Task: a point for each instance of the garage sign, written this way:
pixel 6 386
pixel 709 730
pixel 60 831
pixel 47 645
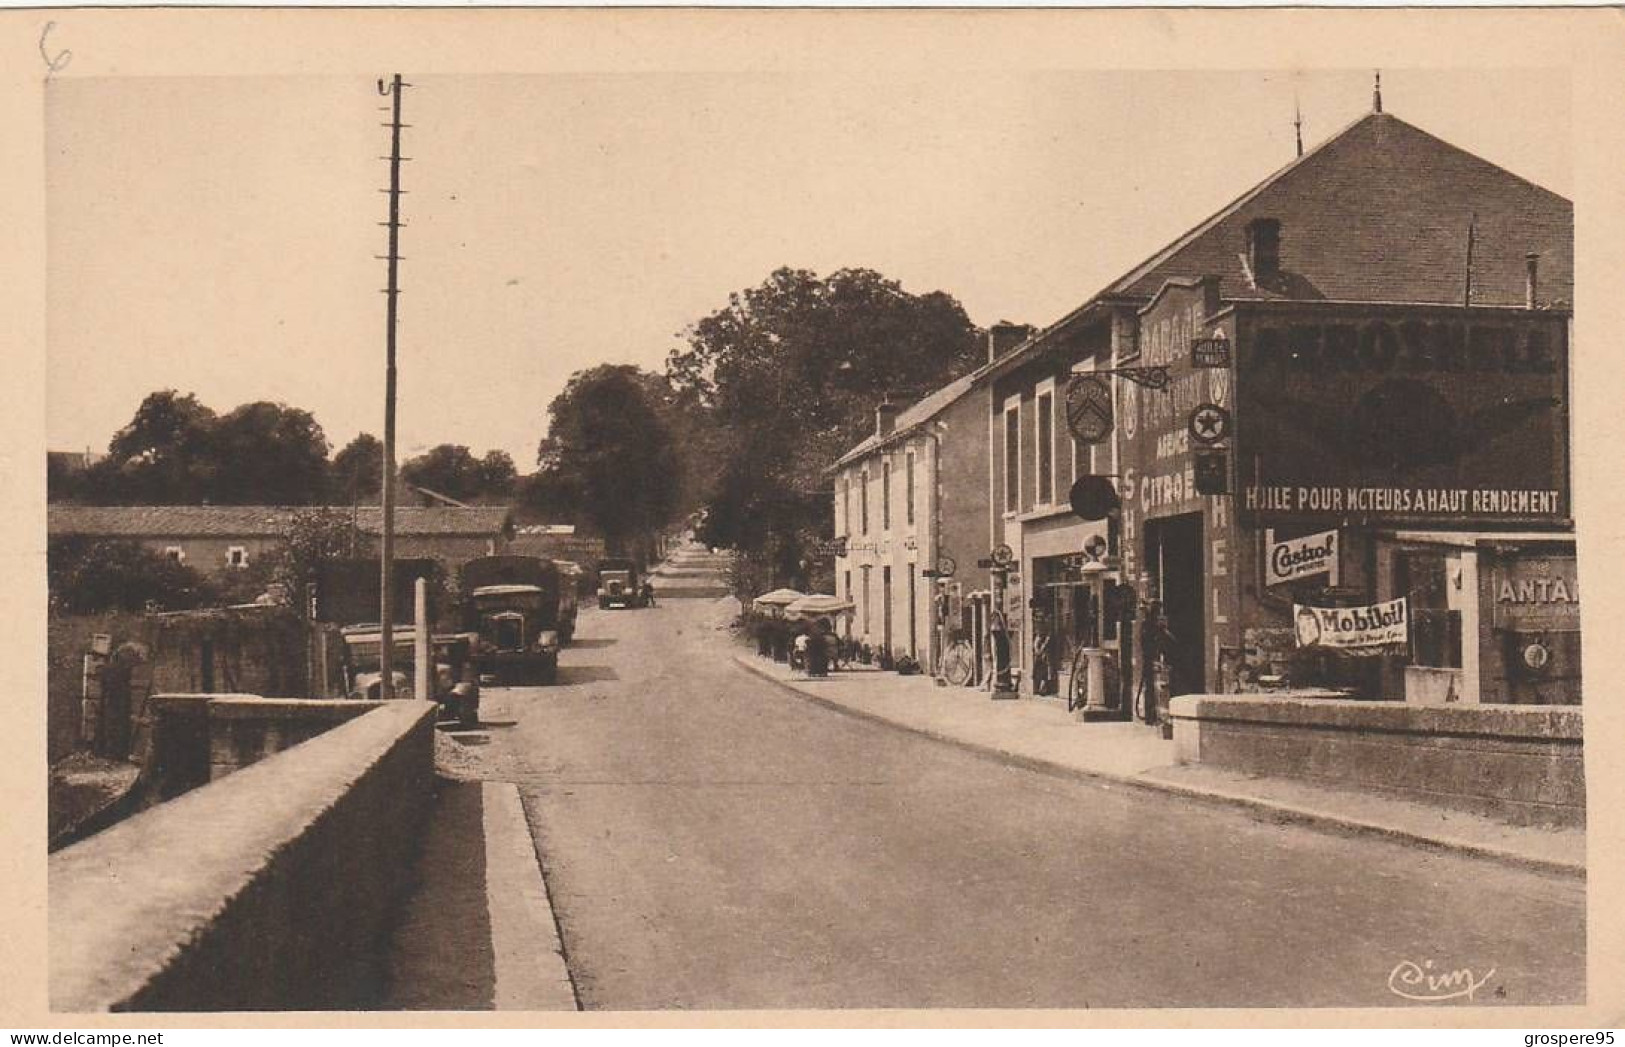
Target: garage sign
pixel 1353 630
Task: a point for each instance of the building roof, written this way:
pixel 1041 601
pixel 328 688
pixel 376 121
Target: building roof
pixel 259 521
pixel 910 418
pixel 1379 212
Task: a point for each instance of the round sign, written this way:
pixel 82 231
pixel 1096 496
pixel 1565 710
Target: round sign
pixel 1209 424
pixel 1095 547
pixel 946 567
pixel 1094 497
pixel 1089 407
pixel 1536 655
pixel 1002 555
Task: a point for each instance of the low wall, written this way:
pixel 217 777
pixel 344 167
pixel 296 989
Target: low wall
pixel 1518 763
pixel 245 729
pixel 273 888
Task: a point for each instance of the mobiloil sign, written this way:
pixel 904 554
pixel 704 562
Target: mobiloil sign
pixel 1353 630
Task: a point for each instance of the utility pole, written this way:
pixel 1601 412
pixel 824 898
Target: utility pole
pixel 386 646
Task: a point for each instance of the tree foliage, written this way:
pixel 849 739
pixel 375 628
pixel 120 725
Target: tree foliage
pixel 89 576
pixel 790 372
pixel 454 471
pixel 358 470
pixel 269 454
pixel 611 453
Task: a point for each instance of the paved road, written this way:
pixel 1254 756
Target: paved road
pixel 712 841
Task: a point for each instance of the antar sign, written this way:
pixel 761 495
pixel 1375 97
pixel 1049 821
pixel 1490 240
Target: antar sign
pixel 1300 557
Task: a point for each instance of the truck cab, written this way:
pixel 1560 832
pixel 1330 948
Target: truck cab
pixel 619 584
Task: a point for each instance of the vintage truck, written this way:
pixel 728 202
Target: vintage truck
pixel 517 608
pixel 455 686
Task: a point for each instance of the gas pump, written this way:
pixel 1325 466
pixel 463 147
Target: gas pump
pixel 1092 654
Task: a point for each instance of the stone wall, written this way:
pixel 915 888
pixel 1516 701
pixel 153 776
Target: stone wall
pixel 1518 763
pixel 273 888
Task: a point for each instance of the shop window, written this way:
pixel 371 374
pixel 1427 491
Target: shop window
pixel 1423 577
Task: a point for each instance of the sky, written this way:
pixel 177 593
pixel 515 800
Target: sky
pixel 219 235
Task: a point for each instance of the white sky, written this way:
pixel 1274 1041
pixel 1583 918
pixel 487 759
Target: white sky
pixel 217 235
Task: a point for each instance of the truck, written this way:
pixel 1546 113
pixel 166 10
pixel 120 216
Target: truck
pixel 619 584
pixel 516 607
pixel 454 687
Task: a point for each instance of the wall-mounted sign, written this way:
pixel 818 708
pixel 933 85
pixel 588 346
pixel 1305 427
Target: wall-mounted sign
pixel 1535 595
pixel 1210 352
pixel 1089 407
pixel 1212 471
pixel 1303 557
pixel 1411 413
pixel 946 566
pixel 1003 556
pixel 1354 630
pixel 1209 424
pixel 1094 497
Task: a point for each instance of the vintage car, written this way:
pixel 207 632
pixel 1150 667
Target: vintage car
pixel 516 606
pixel 454 686
pixel 619 584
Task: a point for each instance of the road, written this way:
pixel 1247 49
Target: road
pixel 713 841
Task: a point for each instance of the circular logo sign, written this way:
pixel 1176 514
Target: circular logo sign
pixel 1536 656
pixel 1209 424
pixel 1002 555
pixel 946 567
pixel 1095 547
pixel 1089 407
pixel 1094 497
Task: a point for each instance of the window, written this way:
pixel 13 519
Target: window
pixel 237 556
pixel 1044 493
pixel 176 553
pixel 849 594
pixel 865 607
pixel 846 506
pixel 1012 455
pixel 885 496
pixel 863 499
pixel 909 481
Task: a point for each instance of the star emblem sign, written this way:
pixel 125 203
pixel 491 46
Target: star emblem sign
pixel 1209 424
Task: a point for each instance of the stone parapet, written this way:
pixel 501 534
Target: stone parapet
pixel 1520 763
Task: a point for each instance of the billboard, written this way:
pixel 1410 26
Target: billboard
pixel 1402 413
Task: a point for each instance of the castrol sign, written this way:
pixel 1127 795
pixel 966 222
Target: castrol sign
pixel 1302 557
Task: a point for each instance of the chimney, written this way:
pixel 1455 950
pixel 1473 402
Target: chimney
pixel 1005 336
pixel 886 417
pixel 1264 250
pixel 1531 263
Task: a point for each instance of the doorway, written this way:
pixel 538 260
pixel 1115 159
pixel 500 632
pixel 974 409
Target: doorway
pixel 1173 554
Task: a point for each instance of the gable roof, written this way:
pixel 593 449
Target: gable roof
pixel 915 415
pixel 260 521
pixel 1379 213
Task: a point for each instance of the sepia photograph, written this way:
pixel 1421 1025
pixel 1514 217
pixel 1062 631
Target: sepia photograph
pixel 650 535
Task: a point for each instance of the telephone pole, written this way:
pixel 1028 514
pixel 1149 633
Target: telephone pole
pixel 386 646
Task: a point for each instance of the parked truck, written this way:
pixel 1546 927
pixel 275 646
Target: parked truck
pixel 517 607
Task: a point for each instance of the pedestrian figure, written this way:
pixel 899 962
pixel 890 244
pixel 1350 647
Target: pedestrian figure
pixel 1156 639
pixel 648 593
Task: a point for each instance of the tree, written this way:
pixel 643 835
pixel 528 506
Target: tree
pixel 608 444
pixel 358 470
pixel 89 576
pixel 165 456
pixel 790 373
pixel 449 469
pixel 497 473
pixel 269 454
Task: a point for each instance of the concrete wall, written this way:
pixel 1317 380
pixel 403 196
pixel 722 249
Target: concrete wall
pixel 245 729
pixel 1522 764
pixel 271 889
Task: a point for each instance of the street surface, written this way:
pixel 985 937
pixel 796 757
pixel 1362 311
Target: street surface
pixel 710 841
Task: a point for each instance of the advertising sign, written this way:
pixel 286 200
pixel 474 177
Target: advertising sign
pixel 1353 630
pixel 1403 413
pixel 1535 595
pixel 1303 557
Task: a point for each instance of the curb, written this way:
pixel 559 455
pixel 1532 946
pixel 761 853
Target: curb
pixel 1320 819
